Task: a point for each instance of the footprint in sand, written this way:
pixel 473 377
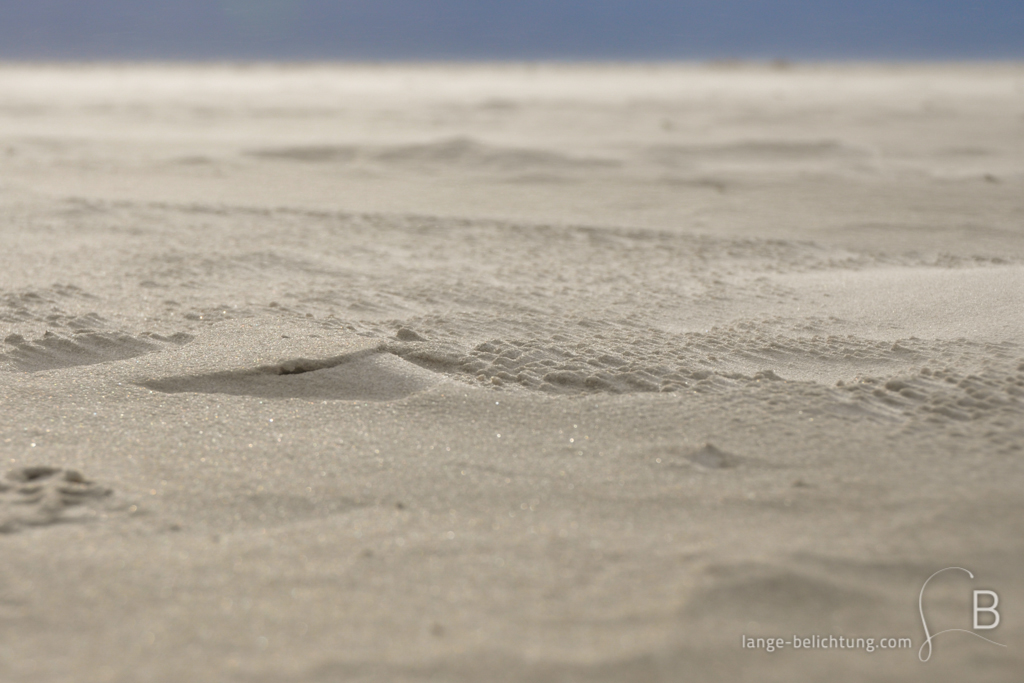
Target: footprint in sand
pixel 40 495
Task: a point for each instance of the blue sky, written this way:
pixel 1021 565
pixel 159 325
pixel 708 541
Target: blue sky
pixel 511 29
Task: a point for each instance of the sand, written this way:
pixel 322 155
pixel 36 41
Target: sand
pixel 509 372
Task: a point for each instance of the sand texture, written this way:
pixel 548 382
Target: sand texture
pixel 508 373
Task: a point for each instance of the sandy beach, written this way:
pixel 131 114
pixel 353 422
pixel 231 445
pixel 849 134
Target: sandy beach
pixel 510 372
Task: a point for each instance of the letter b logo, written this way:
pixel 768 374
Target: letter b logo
pixel 990 608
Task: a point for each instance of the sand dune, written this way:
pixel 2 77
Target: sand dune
pixel 508 373
pixel 449 154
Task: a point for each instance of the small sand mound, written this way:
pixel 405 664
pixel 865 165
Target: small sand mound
pixel 713 458
pixel 363 376
pixel 405 334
